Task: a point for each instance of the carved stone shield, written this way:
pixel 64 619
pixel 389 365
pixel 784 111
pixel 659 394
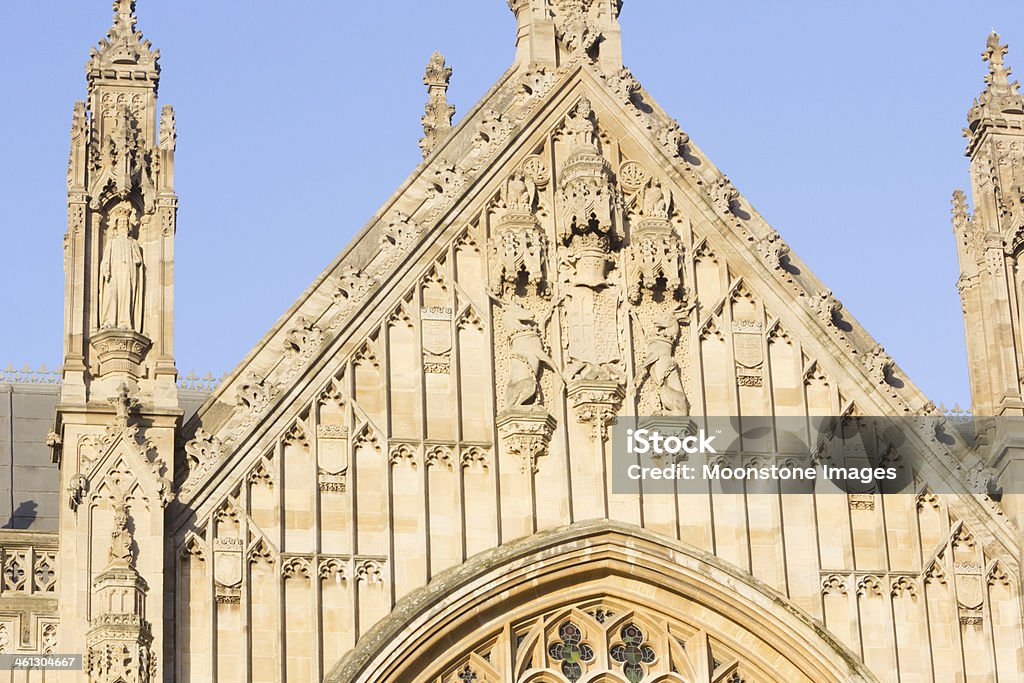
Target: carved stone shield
pixel 437 330
pixel 747 342
pixel 227 563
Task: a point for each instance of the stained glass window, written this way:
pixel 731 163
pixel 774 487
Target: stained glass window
pixel 571 651
pixel 633 653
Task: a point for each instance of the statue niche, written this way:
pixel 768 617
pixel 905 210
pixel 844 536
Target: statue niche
pixel 122 272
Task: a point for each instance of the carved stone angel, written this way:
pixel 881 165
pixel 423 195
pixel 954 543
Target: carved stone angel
pixel 660 363
pixel 121 274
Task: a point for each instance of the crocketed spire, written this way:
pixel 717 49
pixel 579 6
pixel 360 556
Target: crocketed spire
pixel 1000 96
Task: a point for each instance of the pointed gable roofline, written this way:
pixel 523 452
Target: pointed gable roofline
pixel 336 309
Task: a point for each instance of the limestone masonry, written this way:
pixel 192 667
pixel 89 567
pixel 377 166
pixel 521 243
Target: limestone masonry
pixel 409 479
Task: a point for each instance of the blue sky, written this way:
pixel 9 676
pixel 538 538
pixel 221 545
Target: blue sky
pixel 296 120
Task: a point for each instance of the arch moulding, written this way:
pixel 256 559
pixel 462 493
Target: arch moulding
pixel 525 591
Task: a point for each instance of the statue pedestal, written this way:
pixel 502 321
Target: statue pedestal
pixel 526 432
pixel 669 425
pixel 597 402
pixel 120 351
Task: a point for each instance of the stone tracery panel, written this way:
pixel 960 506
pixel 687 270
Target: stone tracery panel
pixel 600 640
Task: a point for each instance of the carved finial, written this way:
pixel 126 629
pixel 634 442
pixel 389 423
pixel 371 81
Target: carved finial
pixel 998 72
pixel 1000 96
pixel 437 120
pixel 168 136
pixel 961 216
pixel 124 404
pixel 124 13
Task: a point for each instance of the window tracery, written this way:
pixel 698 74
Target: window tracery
pixel 601 640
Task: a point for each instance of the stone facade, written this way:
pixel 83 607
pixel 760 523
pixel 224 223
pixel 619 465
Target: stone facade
pixel 410 478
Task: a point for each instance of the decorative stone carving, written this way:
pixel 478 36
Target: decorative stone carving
pixel 520 246
pixel 633 176
pixel 536 169
pixel 826 306
pixel 526 432
pixel 121 539
pixel 879 364
pixel 655 254
pixel 596 402
pixel 724 195
pixel 773 250
pixel 120 352
pixel 672 139
pixel 748 347
pixel 167 138
pixel 252 393
pixel 537 81
pixel 660 363
pixel 119 639
pixel 526 355
pixel 302 339
pixel 77 488
pixel 202 453
pixel 351 286
pixel 624 85
pixel 436 328
pixel 122 273
pixel 437 121
pixel 491 130
pixel 1000 95
pixel 574 26
pixel 227 568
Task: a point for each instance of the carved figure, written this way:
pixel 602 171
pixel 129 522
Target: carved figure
pixel 660 364
pixel 121 274
pixel 580 127
pixel 526 355
pixel 657 201
pixel 121 538
pixel 520 193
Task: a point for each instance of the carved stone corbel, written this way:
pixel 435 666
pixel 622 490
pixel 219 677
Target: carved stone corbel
pixel 596 402
pixel 526 432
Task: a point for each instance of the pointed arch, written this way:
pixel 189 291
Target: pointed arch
pixel 526 588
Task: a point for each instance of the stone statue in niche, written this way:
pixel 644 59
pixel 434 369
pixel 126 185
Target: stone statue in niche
pixel 660 363
pixel 526 355
pixel 121 273
pixel 121 539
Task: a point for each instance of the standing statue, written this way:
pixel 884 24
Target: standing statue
pixel 121 538
pixel 660 362
pixel 121 273
pixel 526 355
